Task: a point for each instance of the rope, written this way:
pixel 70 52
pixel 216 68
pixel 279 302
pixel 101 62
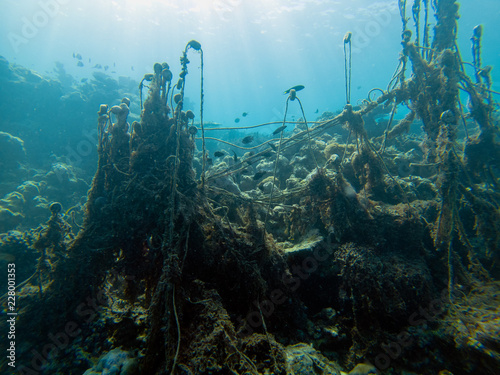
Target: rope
pixel 204 157
pixel 178 331
pixel 287 143
pixel 308 135
pixel 276 162
pixel 347 65
pixel 259 125
pixel 240 147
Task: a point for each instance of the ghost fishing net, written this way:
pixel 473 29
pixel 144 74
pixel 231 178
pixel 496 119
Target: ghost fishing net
pixel 180 260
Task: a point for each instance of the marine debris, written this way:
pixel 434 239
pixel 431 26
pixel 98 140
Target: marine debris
pixel 347 65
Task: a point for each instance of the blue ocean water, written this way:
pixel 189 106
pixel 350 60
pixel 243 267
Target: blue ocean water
pixel 253 50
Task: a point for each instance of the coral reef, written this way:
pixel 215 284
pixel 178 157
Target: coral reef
pixel 307 252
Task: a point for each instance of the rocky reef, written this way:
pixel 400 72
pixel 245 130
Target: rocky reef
pixel 323 248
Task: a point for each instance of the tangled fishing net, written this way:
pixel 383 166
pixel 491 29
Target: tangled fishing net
pixel 189 273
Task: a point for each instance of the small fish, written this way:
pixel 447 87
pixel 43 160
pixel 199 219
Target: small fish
pixel 259 175
pixel 296 88
pixel 210 161
pixel 316 111
pixel 273 146
pixel 236 120
pixel 97 66
pixel 83 80
pixel 218 154
pixel 74 55
pixel 244 114
pixel 78 56
pixel 279 130
pixel 132 68
pixel 248 139
pixel 90 60
pixel 79 64
pixel 106 68
pixel 235 157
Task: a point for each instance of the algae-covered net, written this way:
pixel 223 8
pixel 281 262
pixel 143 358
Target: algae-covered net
pixel 186 266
